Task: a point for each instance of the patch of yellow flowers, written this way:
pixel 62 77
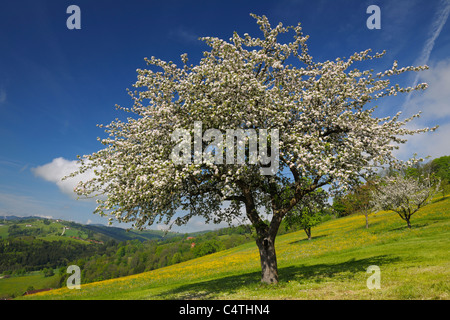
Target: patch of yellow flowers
pixel 333 236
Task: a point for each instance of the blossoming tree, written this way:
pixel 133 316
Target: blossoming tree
pixel 327 134
pixel 404 195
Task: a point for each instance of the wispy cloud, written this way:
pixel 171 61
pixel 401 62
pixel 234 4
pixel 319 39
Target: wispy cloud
pixel 6 162
pixel 439 20
pixel 22 205
pixel 185 35
pixel 434 102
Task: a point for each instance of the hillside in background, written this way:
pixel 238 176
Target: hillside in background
pixel 414 264
pixel 51 229
pixel 40 250
pixel 35 252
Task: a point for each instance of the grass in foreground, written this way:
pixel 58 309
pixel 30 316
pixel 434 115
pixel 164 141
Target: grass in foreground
pixel 414 264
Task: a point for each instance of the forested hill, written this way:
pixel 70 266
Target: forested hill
pixel 56 229
pixel 32 243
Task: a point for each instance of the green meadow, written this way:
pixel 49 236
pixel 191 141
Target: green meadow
pixel 414 264
pixel 17 285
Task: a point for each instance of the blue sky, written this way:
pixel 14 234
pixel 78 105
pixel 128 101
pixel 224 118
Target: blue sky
pixel 57 84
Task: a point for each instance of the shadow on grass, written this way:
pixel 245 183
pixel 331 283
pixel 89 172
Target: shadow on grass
pixel 440 199
pixel 251 281
pixel 413 226
pixel 306 239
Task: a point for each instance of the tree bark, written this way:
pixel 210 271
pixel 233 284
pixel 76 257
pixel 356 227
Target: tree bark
pixel 266 234
pixel 308 233
pixel 269 269
pixel 265 237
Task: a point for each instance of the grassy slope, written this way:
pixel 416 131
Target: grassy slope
pixel 49 232
pixel 17 285
pixel 415 264
pixel 53 231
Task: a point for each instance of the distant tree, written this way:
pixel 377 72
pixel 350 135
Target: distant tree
pixel 308 212
pixel 121 252
pixel 20 272
pixel 445 186
pixel 441 168
pixel 14 230
pixel 404 195
pixel 176 258
pixel 359 200
pixel 338 207
pixel 207 247
pixel 48 272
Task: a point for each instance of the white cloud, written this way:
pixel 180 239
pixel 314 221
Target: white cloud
pixel 433 144
pixel 58 169
pixel 435 106
pixel 435 101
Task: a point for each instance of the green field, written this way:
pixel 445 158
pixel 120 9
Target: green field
pixel 414 264
pixel 51 230
pixel 18 285
pixel 43 229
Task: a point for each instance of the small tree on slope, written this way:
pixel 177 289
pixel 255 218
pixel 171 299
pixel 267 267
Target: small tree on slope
pixel 327 134
pixel 359 200
pixel 404 195
pixel 308 212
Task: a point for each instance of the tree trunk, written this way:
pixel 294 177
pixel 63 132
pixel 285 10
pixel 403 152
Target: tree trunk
pixel 266 235
pixel 367 220
pixel 269 269
pixel 308 232
pixel 409 223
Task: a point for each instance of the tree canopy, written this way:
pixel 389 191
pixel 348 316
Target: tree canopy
pixel 319 115
pixel 404 195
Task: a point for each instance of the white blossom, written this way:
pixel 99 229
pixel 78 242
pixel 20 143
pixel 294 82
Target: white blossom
pixel 323 111
pixel 404 195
